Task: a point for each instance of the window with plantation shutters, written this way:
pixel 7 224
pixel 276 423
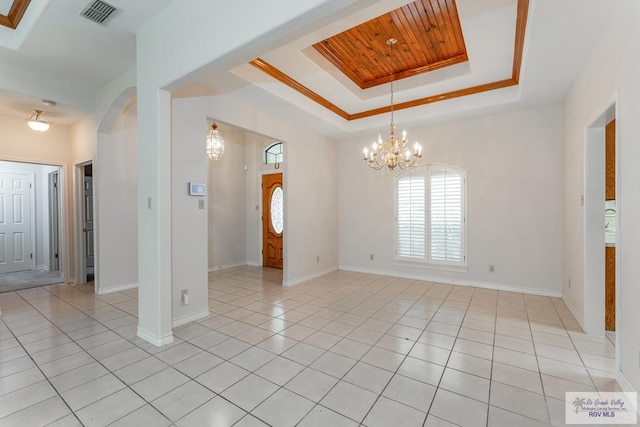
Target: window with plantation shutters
pixel 411 230
pixel 430 215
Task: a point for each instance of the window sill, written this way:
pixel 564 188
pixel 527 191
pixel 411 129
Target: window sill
pixel 427 266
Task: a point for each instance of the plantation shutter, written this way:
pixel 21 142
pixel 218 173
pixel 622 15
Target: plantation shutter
pixel 410 216
pixel 446 216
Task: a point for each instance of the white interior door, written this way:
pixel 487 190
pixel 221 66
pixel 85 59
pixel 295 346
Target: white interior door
pixel 54 222
pixel 88 224
pixel 15 223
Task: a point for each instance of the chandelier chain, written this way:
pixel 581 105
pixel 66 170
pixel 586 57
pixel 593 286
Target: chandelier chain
pixel 392 152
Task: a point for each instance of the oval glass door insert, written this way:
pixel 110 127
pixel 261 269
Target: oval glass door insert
pixel 277 208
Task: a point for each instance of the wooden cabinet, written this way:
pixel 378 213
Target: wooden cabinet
pixel 610 289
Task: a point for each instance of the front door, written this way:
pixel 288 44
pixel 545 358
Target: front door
pixel 15 223
pixel 272 220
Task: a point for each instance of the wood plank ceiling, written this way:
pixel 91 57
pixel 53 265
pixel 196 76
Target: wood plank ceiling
pixel 410 45
pixel 429 37
pixel 12 19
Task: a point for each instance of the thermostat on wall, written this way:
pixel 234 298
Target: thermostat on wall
pixel 197 189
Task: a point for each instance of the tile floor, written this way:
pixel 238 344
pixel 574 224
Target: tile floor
pixel 345 349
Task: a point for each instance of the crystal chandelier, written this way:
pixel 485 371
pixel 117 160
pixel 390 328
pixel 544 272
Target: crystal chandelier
pixel 392 152
pixel 215 143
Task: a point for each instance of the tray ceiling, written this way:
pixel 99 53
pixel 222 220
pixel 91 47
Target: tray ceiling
pixel 429 37
pixel 491 41
pixel 16 12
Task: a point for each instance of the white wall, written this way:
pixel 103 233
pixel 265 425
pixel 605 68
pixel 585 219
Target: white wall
pixel 613 65
pixel 514 201
pixel 116 184
pixel 309 181
pixel 189 228
pixel 19 143
pixel 226 201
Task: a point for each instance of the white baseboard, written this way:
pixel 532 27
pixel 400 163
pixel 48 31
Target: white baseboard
pixel 190 318
pixel 154 339
pixel 254 264
pixel 626 386
pixel 452 281
pixel 575 313
pixel 226 266
pixel 311 276
pixel 42 267
pixel 118 288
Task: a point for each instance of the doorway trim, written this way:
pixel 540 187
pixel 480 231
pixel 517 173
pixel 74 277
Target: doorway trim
pixel 80 255
pixel 594 255
pixel 65 213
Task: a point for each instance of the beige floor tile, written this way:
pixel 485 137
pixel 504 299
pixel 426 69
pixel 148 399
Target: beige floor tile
pixel 140 370
pixel 77 377
pixel 215 412
pixel 280 370
pixel 304 354
pixel 465 384
pixel 389 413
pixel 145 415
pixel 474 348
pixel 368 377
pixel 229 348
pixel 323 417
pixel 447 406
pixel 357 327
pixel 159 384
pixel 222 377
pixel 333 364
pixel 110 409
pixel 500 417
pixel 39 414
pixel 517 377
pixel 517 400
pixel 18 380
pixel 180 401
pixel 515 358
pixel 92 391
pixel 470 364
pixel 349 400
pixel 249 392
pixel 410 392
pixel 312 384
pixel 283 408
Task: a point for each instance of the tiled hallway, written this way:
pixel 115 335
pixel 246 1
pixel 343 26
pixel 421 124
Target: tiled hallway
pixel 345 349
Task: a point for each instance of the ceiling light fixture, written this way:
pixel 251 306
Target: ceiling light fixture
pixel 38 122
pixel 392 152
pixel 215 143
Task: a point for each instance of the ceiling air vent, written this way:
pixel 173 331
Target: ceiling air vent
pixel 99 12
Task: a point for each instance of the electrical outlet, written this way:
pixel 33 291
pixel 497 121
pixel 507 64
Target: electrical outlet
pixel 492 268
pixel 200 203
pixel 371 257
pixel 185 296
pixel 318 258
pixel 569 282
